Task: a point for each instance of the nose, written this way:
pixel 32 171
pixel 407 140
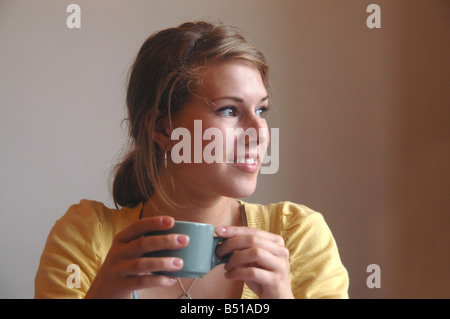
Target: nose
pixel 255 131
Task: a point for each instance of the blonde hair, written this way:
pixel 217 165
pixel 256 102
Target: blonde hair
pixel 165 74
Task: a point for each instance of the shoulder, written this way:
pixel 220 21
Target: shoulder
pixel 280 216
pixel 83 220
pixel 86 211
pixel 299 225
pixel 88 214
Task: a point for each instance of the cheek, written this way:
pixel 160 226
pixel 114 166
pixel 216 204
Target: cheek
pixel 263 139
pixel 198 140
pixel 266 135
pixel 214 145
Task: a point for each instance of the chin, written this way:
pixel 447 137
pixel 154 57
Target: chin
pixel 242 189
pixel 244 194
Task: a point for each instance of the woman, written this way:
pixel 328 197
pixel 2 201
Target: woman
pixel 195 72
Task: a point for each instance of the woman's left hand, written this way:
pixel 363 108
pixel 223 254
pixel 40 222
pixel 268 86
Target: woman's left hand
pixel 259 258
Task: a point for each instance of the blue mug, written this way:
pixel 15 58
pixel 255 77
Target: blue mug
pixel 199 256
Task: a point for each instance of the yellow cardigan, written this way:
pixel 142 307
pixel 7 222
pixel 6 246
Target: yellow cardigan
pixel 83 236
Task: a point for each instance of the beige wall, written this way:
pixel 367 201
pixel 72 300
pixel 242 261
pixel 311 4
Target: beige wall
pixel 363 117
pixel 417 222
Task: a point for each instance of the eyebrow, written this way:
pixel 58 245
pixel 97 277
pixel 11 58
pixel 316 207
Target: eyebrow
pixel 237 99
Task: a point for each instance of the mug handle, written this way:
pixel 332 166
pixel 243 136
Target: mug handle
pixel 217 261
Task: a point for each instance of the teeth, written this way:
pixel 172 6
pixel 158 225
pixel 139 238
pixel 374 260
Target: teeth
pixel 246 161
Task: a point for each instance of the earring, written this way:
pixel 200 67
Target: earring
pixel 165 158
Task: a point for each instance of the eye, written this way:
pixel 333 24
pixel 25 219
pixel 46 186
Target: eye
pixel 227 111
pixel 261 112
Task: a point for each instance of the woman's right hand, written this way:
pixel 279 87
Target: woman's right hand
pixel 124 268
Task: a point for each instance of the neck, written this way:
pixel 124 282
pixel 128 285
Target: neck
pixel 217 211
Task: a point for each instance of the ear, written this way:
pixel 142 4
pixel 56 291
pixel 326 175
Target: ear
pixel 161 133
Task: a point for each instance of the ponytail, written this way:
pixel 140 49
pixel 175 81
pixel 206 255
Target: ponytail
pixel 125 186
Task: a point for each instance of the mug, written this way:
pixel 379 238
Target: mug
pixel 199 256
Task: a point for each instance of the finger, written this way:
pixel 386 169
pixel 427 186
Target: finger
pixel 233 231
pixel 148 265
pixel 143 226
pixel 251 241
pixel 147 244
pixel 254 256
pixel 251 274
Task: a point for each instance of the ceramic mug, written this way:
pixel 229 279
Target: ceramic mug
pixel 199 256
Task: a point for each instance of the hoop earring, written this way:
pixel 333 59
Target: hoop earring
pixel 165 158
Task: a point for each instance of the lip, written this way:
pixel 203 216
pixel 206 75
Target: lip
pixel 249 166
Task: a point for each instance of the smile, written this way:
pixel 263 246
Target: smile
pixel 246 161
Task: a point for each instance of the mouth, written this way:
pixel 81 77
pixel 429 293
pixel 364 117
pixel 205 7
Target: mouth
pixel 246 161
pixel 249 164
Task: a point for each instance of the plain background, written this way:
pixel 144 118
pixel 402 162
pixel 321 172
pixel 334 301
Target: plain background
pixel 363 117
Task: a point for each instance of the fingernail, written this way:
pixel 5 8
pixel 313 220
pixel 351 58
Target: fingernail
pixel 172 280
pixel 222 229
pixel 166 221
pixel 182 239
pixel 177 262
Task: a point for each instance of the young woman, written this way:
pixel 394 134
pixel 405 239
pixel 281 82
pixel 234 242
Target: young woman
pixel 195 73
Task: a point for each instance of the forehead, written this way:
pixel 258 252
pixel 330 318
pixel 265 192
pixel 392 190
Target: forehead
pixel 236 77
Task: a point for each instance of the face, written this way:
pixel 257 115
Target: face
pixel 228 133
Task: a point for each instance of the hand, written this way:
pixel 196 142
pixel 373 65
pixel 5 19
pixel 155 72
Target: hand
pixel 124 268
pixel 259 258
